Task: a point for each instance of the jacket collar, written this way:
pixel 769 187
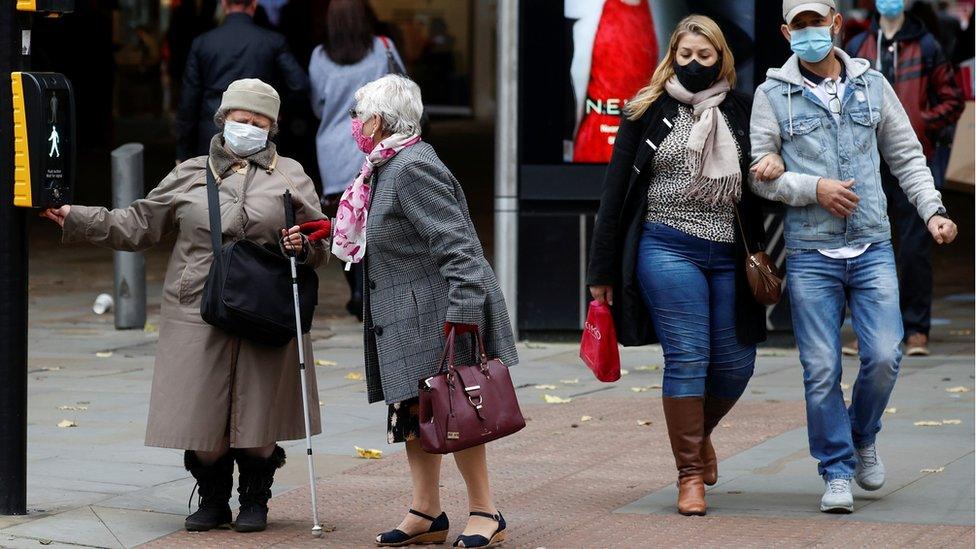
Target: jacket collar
pixel 790 72
pixel 223 160
pixel 237 18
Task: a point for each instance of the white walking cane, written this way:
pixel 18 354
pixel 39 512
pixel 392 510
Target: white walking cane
pixel 290 222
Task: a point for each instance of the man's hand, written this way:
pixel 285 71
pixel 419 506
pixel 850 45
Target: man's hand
pixel 837 197
pixel 770 167
pixel 943 230
pixel 602 294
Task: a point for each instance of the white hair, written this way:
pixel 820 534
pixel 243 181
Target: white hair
pixel 396 99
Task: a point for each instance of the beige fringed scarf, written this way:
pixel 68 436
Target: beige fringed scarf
pixel 713 159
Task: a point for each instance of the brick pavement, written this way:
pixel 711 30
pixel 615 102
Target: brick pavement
pixel 559 486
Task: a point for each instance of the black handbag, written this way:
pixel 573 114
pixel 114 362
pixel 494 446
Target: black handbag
pixel 248 292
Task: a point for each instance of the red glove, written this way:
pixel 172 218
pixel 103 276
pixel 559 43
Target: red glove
pixel 317 230
pixel 459 328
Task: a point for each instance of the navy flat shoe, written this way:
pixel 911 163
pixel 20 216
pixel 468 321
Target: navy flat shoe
pixel 481 541
pixel 435 535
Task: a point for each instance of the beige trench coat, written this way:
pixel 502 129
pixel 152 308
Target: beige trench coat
pixel 207 383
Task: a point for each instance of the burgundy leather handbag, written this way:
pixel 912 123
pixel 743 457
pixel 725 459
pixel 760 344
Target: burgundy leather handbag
pixel 464 406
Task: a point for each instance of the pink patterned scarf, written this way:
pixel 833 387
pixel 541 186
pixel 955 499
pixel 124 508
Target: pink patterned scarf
pixel 349 240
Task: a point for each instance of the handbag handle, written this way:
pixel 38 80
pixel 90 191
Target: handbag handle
pixel 448 355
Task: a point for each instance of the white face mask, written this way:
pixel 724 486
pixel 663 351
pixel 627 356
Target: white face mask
pixel 244 139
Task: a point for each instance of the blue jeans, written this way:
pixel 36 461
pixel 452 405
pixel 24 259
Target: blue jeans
pixel 688 286
pixel 820 288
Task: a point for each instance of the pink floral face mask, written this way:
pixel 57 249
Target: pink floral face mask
pixel 365 143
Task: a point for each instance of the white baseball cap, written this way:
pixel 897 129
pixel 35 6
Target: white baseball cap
pixel 792 8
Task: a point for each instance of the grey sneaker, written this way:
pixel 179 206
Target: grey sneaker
pixel 837 496
pixel 869 471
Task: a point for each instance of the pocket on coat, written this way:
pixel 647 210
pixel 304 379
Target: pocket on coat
pixel 865 125
pixel 805 135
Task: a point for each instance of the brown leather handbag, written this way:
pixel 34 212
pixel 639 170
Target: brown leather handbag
pixel 764 278
pixel 464 406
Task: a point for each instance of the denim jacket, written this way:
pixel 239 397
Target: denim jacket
pixel 788 119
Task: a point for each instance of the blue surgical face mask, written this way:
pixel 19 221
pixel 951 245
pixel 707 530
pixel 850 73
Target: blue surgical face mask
pixel 890 8
pixel 244 139
pixel 811 44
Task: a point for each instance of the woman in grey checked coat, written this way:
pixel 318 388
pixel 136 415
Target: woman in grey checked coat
pixel 425 271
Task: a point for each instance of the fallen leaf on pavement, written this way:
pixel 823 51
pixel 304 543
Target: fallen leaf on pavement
pixel 51 368
pixel 550 399
pixel 546 387
pixel 654 386
pixel 150 328
pixel 368 453
pixel 959 389
pixel 891 410
pixel 623 372
pixel 45 541
pixel 639 389
pixel 73 408
pixel 648 368
pixel 355 376
pixel 326 363
pixel 66 423
pixel 103 354
pixel 845 386
pixel 931 423
pixel 939 470
pixel 569 381
pixel 586 418
pixel 643 422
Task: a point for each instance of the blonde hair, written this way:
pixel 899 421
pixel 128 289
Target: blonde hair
pixel 694 24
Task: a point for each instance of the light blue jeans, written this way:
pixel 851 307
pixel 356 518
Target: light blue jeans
pixel 819 289
pixel 688 285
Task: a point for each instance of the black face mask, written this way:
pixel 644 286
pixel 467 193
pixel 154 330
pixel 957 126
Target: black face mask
pixel 696 77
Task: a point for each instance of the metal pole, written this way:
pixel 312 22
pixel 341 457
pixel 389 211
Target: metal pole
pixel 130 267
pixel 13 287
pixel 506 157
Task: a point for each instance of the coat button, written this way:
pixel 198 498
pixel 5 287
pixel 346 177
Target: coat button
pixel 378 330
pixel 372 284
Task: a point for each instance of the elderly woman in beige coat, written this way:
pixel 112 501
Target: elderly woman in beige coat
pixel 219 397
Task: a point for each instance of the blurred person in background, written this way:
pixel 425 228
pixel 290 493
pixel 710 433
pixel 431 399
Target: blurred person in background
pixel 350 56
pixel 237 49
pixel 902 48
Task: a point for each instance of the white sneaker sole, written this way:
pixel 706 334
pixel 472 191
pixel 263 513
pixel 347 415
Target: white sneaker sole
pixel 918 351
pixel 837 509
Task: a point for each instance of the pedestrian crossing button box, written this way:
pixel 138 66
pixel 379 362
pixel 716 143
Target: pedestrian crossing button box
pixel 44 139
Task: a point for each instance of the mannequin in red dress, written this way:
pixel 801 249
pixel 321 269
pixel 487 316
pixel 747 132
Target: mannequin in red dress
pixel 625 54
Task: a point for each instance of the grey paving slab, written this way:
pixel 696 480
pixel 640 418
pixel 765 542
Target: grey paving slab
pixel 79 526
pixel 778 478
pixel 132 527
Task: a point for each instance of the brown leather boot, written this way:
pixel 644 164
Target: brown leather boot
pixel 715 410
pixel 686 429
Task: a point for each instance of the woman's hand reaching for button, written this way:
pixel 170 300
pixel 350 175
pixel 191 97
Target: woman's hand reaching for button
pixel 57 215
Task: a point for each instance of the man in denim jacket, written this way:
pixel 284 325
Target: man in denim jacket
pixel 832 118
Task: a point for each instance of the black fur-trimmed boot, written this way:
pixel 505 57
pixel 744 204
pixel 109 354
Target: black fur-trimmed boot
pixel 214 484
pixel 256 475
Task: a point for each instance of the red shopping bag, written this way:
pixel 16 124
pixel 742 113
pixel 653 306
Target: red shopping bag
pixel 598 349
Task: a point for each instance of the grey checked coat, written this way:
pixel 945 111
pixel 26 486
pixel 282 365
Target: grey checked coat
pixel 424 265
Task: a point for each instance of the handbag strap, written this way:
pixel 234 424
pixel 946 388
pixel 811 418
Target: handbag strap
pixel 213 209
pixel 742 230
pixel 392 66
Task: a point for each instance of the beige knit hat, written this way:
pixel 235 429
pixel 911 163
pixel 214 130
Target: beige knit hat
pixel 251 94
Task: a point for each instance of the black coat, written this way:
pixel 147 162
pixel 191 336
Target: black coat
pixel 237 49
pixel 623 208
